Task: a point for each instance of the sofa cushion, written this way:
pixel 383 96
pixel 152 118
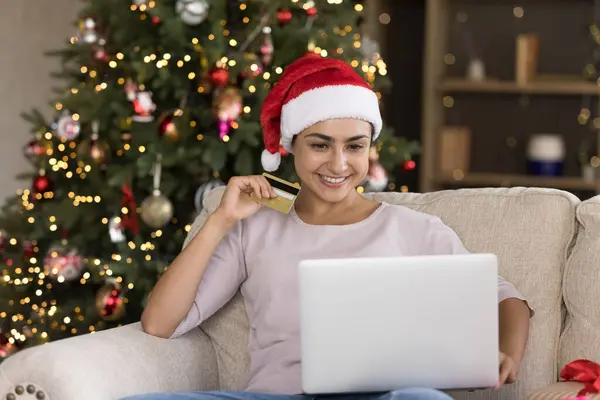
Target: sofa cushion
pixel 529 229
pixel 580 337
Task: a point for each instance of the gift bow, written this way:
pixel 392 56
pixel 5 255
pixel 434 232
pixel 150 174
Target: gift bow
pixel 584 371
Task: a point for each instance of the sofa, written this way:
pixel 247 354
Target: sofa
pixel 548 244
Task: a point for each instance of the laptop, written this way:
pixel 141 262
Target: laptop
pixel 381 324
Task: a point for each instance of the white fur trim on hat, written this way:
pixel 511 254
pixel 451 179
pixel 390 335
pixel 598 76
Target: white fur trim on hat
pixel 270 162
pixel 328 102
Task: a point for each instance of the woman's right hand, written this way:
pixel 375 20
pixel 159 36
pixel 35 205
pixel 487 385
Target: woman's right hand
pixel 236 203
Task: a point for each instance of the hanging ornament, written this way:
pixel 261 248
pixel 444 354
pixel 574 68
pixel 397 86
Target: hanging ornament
pixel 115 230
pixel 27 248
pixel 67 128
pixel 100 54
pixel 310 8
pixel 110 301
pixel 41 184
pixel 87 31
pixel 253 65
pixel 63 264
pixel 157 209
pixel 96 148
pixel 377 177
pixel 192 12
pixel 409 165
pixel 203 190
pixel 266 48
pixel 219 76
pixel 34 148
pixel 143 106
pixel 167 125
pixel 284 16
pixel 130 89
pixel 227 107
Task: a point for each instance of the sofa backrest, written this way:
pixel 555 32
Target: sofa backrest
pixel 581 289
pixel 531 231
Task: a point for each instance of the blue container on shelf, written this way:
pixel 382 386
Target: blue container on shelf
pixel 546 155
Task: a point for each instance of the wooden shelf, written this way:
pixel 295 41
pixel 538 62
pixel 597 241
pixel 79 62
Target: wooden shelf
pixel 505 180
pixel 543 86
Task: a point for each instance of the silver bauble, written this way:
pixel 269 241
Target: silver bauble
pixel 192 12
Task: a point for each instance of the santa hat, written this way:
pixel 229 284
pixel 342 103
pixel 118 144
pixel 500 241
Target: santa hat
pixel 313 89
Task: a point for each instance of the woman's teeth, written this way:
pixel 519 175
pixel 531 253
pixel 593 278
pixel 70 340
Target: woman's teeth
pixel 332 180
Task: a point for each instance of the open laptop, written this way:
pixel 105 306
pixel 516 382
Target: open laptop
pixel 380 324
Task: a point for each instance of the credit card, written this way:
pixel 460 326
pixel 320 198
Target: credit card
pixel 286 194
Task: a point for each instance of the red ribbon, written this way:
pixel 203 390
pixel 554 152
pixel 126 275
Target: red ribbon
pixel 129 220
pixel 584 371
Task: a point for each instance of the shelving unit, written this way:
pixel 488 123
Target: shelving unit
pixel 564 87
pixel 437 84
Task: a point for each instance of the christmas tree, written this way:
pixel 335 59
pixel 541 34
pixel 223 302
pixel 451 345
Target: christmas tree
pixel 159 101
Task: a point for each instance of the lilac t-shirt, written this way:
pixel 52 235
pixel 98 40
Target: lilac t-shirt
pixel 260 255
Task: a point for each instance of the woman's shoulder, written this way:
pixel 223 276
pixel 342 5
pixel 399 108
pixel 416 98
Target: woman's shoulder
pixel 405 213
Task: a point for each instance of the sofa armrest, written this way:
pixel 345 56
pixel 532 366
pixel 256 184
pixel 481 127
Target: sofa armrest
pixel 111 364
pixel 560 391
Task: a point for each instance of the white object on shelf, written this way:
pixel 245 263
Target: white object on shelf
pixel 476 70
pixel 546 147
pixel 588 173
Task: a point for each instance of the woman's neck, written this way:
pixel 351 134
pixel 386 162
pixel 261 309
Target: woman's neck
pixel 312 210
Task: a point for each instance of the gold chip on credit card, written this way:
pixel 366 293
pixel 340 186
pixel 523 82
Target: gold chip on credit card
pixel 286 194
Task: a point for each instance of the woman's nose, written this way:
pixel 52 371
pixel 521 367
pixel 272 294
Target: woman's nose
pixel 338 162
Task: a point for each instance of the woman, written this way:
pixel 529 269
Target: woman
pixel 328 117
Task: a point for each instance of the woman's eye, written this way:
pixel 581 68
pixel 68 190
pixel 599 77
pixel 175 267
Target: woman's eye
pixel 319 146
pixel 356 147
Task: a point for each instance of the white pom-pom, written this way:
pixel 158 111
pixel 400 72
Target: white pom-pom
pixel 269 161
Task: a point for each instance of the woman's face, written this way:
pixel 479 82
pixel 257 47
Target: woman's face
pixel 332 157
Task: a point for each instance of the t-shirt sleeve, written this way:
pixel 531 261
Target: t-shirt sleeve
pixel 441 239
pixel 221 280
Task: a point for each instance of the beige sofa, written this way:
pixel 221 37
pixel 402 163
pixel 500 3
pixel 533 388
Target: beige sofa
pixel 548 242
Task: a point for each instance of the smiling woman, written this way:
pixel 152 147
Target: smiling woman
pixel 330 140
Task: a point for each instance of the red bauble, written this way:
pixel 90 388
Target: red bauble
pixel 312 11
pixel 27 248
pixel 41 184
pixel 409 165
pixel 101 55
pixel 156 20
pixel 284 16
pixel 219 76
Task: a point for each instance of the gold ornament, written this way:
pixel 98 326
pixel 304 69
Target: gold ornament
pixel 157 210
pixel 110 301
pixel 167 125
pixel 96 148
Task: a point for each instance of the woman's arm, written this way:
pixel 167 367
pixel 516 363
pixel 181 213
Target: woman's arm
pixel 174 293
pixel 514 316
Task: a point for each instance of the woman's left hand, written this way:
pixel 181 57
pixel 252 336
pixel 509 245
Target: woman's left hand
pixel 509 370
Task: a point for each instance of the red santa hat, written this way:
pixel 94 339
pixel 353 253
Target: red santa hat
pixel 313 89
